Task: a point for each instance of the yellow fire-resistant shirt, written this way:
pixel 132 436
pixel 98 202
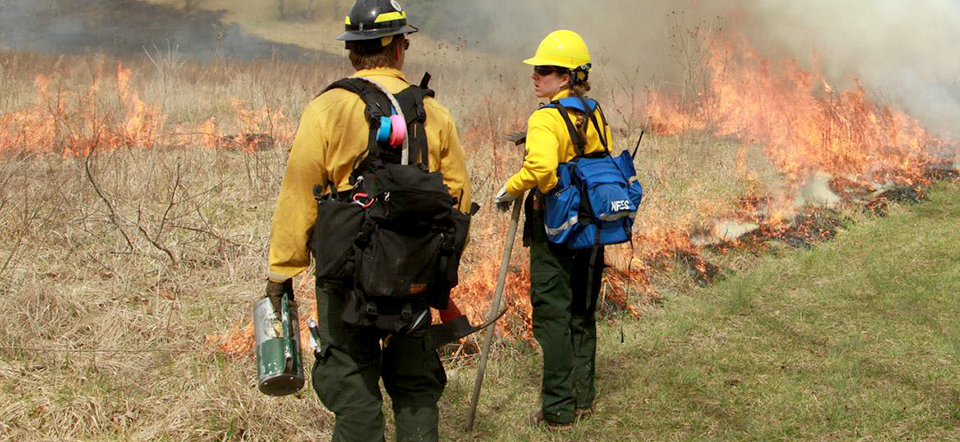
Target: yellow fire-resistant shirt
pixel 333 132
pixel 548 145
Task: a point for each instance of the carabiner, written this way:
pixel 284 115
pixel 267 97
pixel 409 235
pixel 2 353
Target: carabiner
pixel 365 205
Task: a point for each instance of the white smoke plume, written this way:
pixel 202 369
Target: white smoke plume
pixel 905 51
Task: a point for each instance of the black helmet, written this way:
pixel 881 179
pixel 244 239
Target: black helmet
pixel 373 19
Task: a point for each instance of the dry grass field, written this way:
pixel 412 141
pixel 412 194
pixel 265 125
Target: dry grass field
pixel 134 233
pixel 135 200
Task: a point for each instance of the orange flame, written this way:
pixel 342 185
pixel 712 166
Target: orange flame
pixel 68 122
pixel 803 123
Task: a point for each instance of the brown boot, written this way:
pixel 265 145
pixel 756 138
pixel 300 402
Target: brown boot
pixel 535 418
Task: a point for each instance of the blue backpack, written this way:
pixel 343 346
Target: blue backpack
pixel 597 195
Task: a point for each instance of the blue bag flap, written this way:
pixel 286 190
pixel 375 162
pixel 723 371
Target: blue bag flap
pixel 607 188
pixel 625 163
pixel 561 218
pixel 564 176
pixel 576 103
pixel 600 170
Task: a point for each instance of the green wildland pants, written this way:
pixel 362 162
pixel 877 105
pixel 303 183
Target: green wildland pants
pixel 352 361
pixel 564 321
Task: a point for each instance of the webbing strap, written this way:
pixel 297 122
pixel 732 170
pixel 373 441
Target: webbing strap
pixel 592 265
pixel 379 102
pixel 377 105
pixel 579 144
pixel 405 153
pixel 593 117
pixel 411 100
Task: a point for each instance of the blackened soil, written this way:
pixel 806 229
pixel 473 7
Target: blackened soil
pixel 128 27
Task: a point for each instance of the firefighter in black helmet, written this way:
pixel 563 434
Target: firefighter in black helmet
pixel 333 133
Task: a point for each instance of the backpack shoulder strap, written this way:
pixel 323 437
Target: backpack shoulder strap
pixel 377 103
pixel 415 114
pixel 592 115
pixel 579 144
pixel 589 107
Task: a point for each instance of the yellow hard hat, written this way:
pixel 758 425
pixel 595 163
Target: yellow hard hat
pixel 561 48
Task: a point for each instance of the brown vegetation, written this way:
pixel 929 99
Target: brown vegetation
pixel 135 199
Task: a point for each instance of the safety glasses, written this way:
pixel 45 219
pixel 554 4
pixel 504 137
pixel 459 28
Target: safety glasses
pixel 543 71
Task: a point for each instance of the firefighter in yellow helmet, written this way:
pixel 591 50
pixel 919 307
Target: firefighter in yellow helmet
pixel 333 136
pixel 563 291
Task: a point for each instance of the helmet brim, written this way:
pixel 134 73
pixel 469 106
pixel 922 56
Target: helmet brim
pixel 538 61
pixel 373 34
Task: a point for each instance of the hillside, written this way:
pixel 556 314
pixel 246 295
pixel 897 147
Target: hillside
pixel 311 24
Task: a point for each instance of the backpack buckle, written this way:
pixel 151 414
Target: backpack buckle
pixel 370 309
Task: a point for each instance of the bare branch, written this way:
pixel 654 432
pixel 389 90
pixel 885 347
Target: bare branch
pixel 173 258
pixel 206 231
pixel 173 194
pixel 114 215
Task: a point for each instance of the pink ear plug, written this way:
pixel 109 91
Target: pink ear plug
pixel 399 132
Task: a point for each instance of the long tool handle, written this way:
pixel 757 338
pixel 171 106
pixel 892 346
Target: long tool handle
pixel 494 309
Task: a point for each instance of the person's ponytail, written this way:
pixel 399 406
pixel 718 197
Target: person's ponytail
pixel 579 86
pixel 581 89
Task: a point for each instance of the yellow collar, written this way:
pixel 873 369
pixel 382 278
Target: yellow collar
pixel 381 72
pixel 564 93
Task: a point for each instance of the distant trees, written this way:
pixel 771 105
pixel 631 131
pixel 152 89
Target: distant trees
pixel 190 6
pixel 447 18
pixel 304 10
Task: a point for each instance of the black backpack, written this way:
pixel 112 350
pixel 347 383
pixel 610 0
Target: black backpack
pixel 394 240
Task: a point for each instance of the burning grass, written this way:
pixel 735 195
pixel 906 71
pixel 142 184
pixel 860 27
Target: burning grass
pixel 136 198
pixel 804 124
pixel 72 119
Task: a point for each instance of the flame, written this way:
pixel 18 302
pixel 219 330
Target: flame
pixel 108 116
pixel 143 122
pixel 473 297
pixel 804 124
pixel 71 123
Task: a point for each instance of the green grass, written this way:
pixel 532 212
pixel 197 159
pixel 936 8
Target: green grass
pixel 856 339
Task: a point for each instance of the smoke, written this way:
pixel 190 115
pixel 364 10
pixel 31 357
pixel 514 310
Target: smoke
pixel 127 27
pixel 906 52
pixel 903 51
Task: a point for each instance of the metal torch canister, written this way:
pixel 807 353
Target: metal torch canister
pixel 279 365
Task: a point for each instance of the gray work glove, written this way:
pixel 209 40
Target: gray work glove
pixel 276 290
pixel 504 199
